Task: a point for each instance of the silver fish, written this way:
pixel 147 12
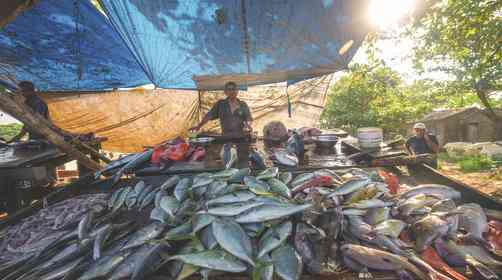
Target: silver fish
pixel 274 237
pixel 427 230
pixel 121 199
pixel 239 176
pixel 126 268
pixel 84 226
pixel 370 203
pixel 473 220
pixel 171 182
pixel 351 186
pixel 114 197
pixel 224 174
pixel 239 196
pixel 170 205
pixel 268 173
pixel 148 199
pixel 232 209
pixel 391 227
pixel 147 190
pixel 270 212
pixel 255 185
pixel 286 177
pixel 287 263
pixel 200 221
pixel 233 239
pixel 101 237
pixel 439 191
pixel 182 232
pixel 207 238
pixel 455 256
pixel 105 265
pixel 212 259
pixel 286 158
pixel 158 196
pixel 302 179
pixel 181 190
pixel 278 187
pixel 144 234
pixel 377 215
pixel 154 258
pixel 380 260
pixel 201 181
pixel 158 214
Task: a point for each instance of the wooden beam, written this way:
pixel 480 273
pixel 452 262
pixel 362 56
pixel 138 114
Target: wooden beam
pixel 15 107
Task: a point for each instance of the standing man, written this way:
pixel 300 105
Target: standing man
pixel 420 144
pixel 235 121
pixel 27 90
pixel 234 115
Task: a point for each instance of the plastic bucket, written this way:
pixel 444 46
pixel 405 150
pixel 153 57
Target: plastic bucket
pixel 370 137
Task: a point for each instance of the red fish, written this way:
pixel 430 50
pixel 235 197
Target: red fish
pixel 391 180
pixel 430 256
pixel 316 182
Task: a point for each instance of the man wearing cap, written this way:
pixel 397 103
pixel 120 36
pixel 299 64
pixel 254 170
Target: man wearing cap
pixel 422 143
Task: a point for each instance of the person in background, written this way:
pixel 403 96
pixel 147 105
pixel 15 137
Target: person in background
pixel 234 115
pixel 422 143
pixel 275 133
pixel 27 90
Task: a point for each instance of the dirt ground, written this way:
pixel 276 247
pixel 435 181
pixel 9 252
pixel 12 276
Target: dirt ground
pixel 480 180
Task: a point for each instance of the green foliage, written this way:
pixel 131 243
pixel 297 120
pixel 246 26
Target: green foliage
pixel 470 163
pixel 7 131
pixel 375 95
pixel 463 38
pixel 445 157
pixel 476 163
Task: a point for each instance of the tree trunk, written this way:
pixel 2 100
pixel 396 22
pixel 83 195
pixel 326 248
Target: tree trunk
pixel 490 113
pixel 20 111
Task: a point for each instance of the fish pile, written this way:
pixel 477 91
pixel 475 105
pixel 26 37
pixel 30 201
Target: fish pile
pixel 273 225
pixel 31 233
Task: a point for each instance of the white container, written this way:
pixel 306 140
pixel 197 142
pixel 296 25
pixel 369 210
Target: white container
pixel 370 137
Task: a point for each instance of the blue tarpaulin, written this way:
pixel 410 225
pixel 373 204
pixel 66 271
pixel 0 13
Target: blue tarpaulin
pixel 67 45
pixel 183 44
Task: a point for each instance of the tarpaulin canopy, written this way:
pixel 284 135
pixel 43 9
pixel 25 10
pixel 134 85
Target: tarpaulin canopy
pixel 66 45
pixel 181 44
pixel 188 44
pixel 136 118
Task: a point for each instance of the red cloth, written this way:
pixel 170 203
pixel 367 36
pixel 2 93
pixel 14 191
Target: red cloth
pixel 391 180
pixel 176 152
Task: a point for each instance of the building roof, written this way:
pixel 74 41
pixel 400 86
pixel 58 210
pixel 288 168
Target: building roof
pixel 443 114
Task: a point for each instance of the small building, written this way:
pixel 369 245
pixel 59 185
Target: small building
pixel 461 125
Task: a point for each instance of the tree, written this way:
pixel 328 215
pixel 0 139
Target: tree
pixel 463 38
pixel 375 95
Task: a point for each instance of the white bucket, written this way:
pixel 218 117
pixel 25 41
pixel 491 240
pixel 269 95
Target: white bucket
pixel 369 137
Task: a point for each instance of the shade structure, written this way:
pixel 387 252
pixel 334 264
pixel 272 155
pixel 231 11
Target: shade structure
pixel 179 44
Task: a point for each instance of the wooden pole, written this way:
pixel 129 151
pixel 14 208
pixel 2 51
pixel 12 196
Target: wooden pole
pixel 12 105
pixel 89 149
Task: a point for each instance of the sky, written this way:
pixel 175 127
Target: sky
pixel 385 15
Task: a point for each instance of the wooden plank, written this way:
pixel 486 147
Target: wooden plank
pixel 16 108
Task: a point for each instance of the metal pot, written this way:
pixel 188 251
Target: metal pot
pixel 325 141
